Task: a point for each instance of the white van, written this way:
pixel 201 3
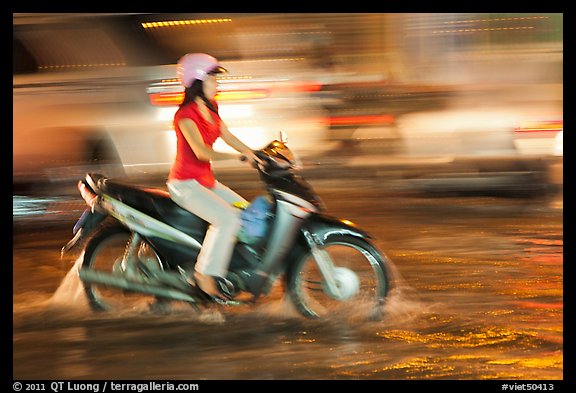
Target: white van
pixel 98 92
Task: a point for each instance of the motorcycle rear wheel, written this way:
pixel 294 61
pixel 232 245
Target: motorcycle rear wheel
pixel 354 257
pixel 103 253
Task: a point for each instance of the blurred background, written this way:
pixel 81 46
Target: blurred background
pixel 443 101
pixel 439 134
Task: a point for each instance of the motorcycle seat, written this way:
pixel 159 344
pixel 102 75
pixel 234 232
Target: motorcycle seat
pixel 154 202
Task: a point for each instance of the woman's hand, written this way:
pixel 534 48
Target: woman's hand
pixel 251 157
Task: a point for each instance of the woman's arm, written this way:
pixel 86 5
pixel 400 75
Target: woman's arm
pixel 238 145
pixel 233 141
pixel 204 153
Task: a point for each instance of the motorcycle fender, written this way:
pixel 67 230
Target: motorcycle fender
pixel 85 224
pixel 88 220
pixel 322 227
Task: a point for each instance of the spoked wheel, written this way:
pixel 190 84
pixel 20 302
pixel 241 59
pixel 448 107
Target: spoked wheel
pixel 360 274
pixel 104 254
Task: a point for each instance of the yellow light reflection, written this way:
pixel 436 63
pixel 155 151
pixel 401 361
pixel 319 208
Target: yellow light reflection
pixel 496 19
pixel 241 95
pixel 486 29
pixel 489 336
pixel 553 361
pixel 421 364
pixel 69 66
pixel 191 22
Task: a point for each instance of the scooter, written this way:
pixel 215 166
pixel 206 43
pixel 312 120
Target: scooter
pixel 136 242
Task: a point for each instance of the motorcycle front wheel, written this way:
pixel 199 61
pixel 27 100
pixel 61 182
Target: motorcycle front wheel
pixel 360 273
pixel 103 255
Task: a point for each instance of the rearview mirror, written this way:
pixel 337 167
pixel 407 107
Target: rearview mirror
pixel 283 137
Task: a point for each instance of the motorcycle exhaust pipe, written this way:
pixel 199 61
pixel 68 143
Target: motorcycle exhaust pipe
pixel 110 280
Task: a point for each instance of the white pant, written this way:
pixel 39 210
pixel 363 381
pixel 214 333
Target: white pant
pixel 213 205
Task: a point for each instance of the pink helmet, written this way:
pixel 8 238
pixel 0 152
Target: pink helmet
pixel 196 66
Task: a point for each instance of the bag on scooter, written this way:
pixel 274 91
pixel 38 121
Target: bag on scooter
pixel 255 220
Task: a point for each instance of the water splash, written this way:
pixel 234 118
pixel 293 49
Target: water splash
pixel 403 305
pixel 278 308
pixel 70 293
pixel 69 302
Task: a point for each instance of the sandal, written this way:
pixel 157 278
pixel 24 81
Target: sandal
pixel 215 286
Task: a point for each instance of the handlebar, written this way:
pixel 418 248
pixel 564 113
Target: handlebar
pixel 267 163
pixel 263 157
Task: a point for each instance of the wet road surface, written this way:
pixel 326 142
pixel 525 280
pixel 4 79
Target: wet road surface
pixel 478 295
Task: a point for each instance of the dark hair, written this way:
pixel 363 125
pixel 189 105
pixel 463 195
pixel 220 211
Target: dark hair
pixel 197 90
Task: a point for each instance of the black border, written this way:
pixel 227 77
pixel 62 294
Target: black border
pixel 387 6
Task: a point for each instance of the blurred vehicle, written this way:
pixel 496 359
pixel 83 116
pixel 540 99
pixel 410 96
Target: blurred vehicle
pixel 559 143
pixel 556 166
pixel 484 130
pixel 541 137
pixel 97 92
pixel 459 85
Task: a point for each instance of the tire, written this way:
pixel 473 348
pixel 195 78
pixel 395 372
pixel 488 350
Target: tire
pixel 105 249
pixel 306 287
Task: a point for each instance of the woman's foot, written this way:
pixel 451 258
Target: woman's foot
pixel 218 287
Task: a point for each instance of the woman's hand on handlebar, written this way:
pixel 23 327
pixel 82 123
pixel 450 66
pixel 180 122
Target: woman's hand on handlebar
pixel 252 158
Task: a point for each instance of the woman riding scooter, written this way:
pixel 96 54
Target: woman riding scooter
pixel 191 182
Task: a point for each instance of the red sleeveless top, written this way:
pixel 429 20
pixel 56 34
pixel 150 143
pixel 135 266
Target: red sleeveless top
pixel 187 166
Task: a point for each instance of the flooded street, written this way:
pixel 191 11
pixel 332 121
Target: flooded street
pixel 438 134
pixel 477 295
